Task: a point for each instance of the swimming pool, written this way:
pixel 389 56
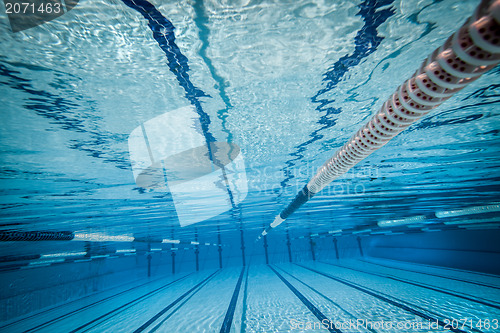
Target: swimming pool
pixel 148 146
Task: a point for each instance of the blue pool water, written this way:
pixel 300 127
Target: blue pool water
pixel 146 145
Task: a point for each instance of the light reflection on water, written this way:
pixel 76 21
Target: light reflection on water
pixel 74 89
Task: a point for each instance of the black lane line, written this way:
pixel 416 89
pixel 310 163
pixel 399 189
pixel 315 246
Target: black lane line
pixel 325 297
pixel 76 300
pixel 446 268
pixel 318 314
pixel 244 311
pixel 177 308
pixel 228 319
pixel 171 305
pixel 149 294
pixel 387 300
pixel 436 275
pixel 52 321
pixel 440 290
pixel 437 315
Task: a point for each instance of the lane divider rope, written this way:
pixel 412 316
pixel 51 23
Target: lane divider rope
pixel 467 54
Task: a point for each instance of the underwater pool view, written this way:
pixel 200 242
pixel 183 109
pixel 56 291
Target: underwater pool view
pixel 146 147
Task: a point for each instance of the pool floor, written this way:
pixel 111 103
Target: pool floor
pixel 351 295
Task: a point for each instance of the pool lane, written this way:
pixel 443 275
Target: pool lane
pixel 428 304
pixel 495 279
pixel 132 315
pixel 110 313
pixel 483 287
pixel 352 309
pixel 330 307
pixel 175 305
pixel 445 275
pixel 315 311
pixel 228 319
pixel 272 307
pixel 206 310
pixel 76 312
pixel 56 313
pixel 468 295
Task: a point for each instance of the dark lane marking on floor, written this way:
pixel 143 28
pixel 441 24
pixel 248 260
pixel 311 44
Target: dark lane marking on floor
pixel 437 275
pixel 228 319
pixel 52 321
pixel 244 305
pixel 178 307
pixel 426 286
pixel 318 314
pixel 385 299
pixel 171 305
pixel 325 297
pixel 441 267
pixel 122 307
